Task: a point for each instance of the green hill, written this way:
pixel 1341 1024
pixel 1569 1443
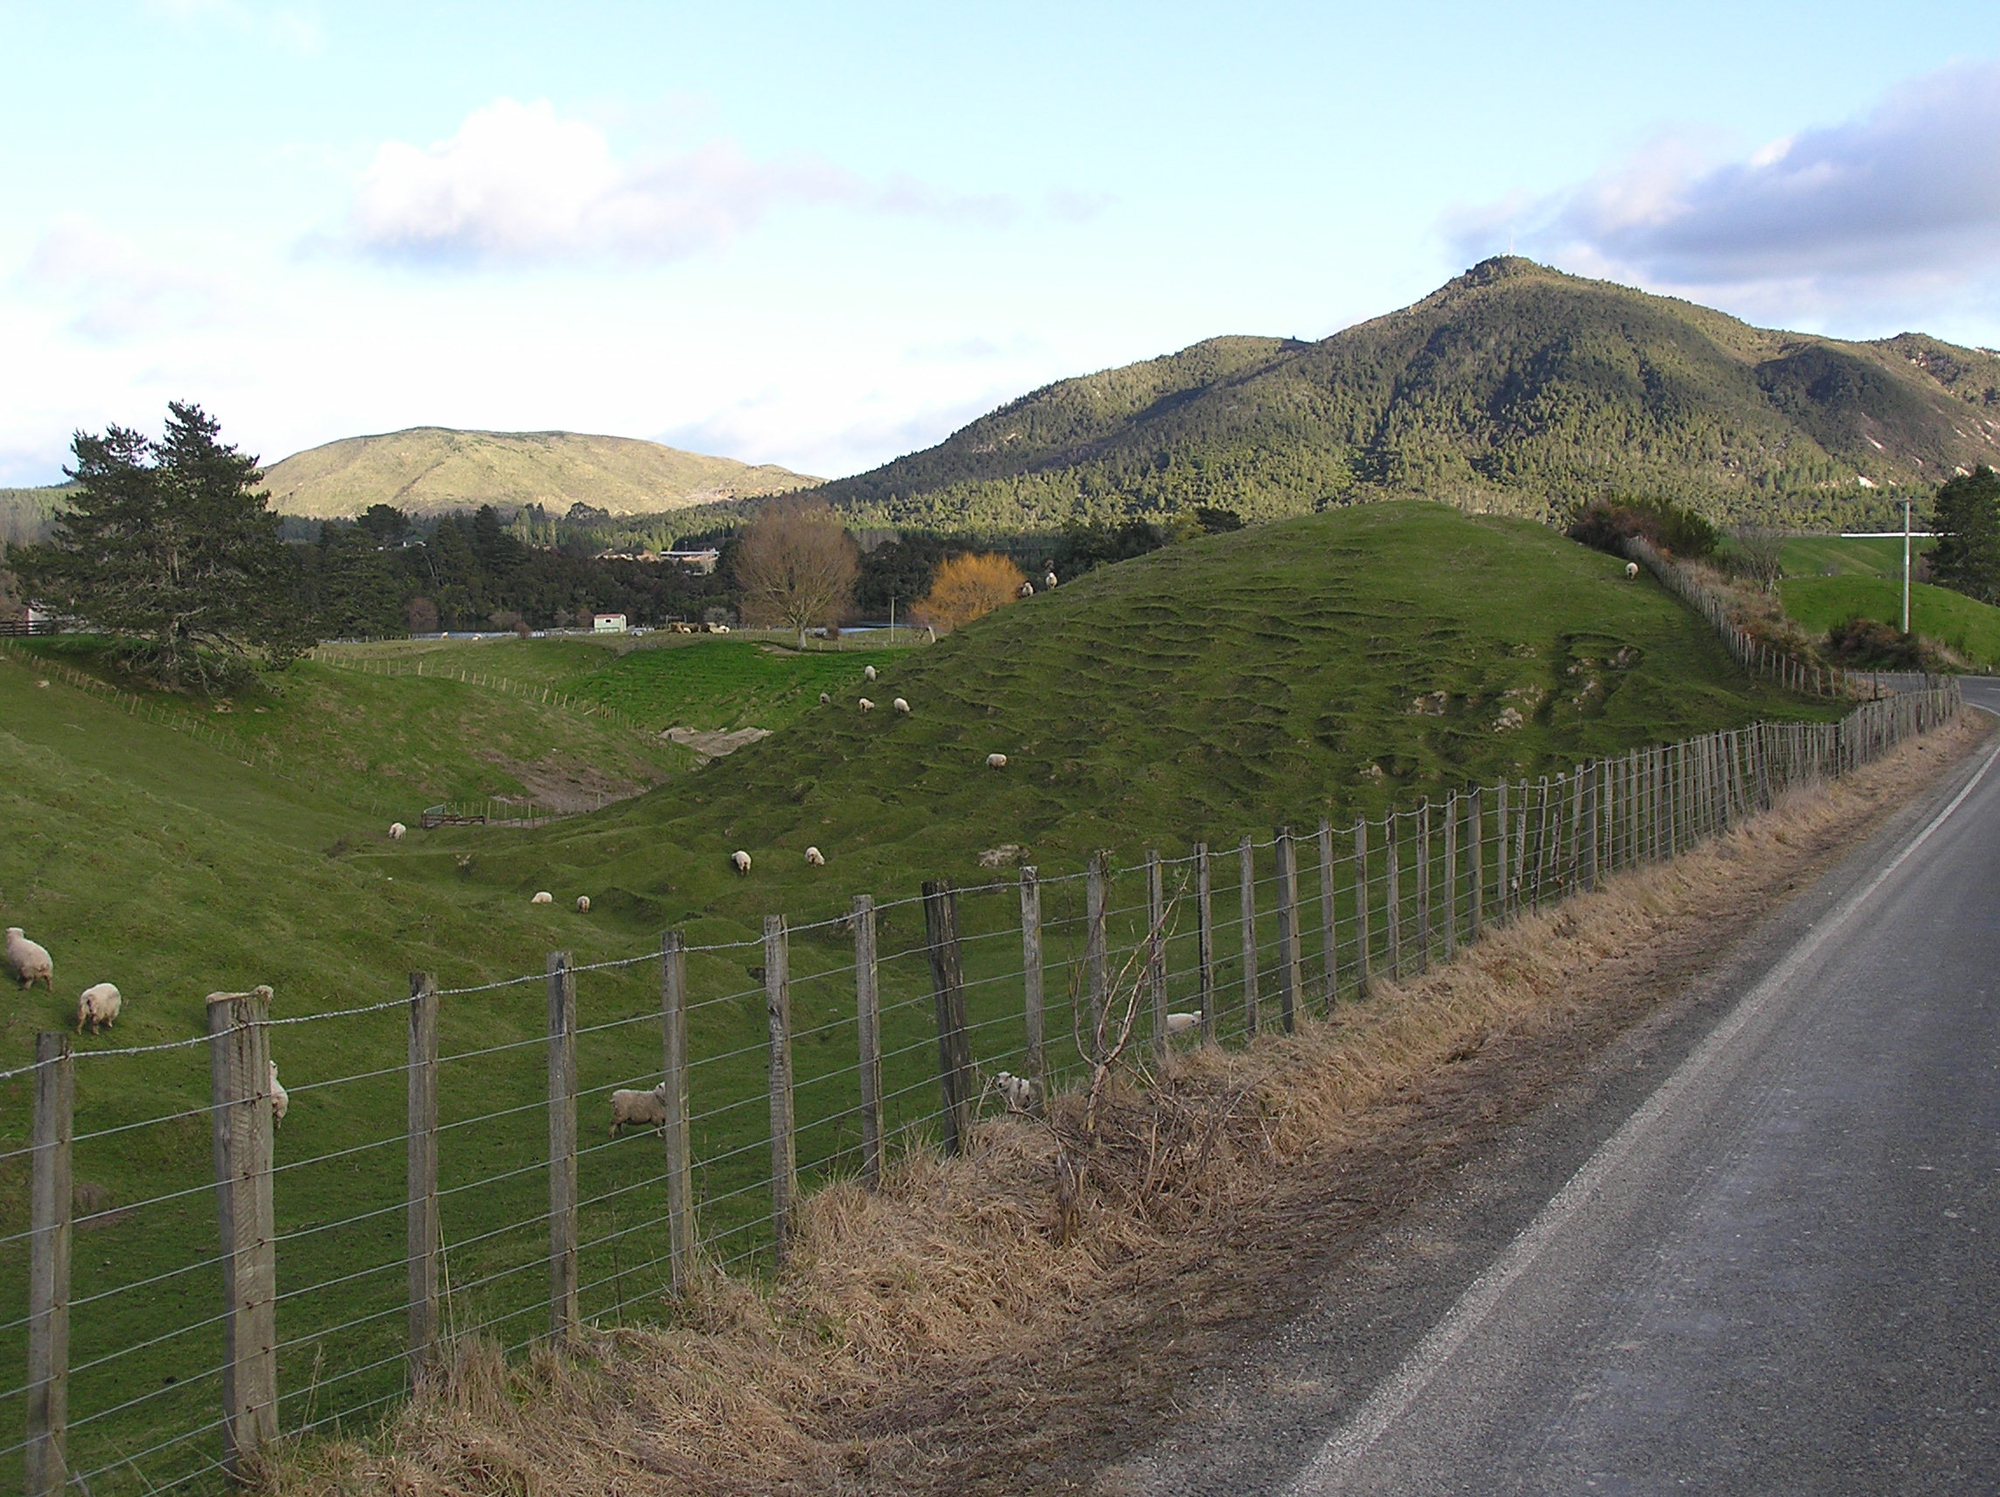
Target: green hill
pixel 431 469
pixel 1965 625
pixel 1514 388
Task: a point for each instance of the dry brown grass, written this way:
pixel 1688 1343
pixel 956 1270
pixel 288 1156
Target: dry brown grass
pixel 971 1322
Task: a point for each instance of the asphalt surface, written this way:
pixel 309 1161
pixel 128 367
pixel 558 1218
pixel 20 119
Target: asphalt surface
pixel 1776 1271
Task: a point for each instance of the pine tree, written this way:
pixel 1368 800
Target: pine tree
pixel 169 544
pixel 1967 522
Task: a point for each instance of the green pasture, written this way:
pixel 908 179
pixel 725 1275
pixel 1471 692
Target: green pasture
pixel 1327 666
pixel 1963 624
pixel 1835 556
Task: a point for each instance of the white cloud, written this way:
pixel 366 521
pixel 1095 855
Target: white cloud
pixel 1899 204
pixel 287 26
pixel 517 184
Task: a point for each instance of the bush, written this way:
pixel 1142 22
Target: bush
pixel 968 587
pixel 1606 524
pixel 1870 643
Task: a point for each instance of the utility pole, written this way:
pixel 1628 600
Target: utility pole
pixel 1906 566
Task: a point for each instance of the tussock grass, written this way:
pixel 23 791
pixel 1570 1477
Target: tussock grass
pixel 1053 1233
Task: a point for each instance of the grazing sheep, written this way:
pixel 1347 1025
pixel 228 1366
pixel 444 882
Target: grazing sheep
pixel 648 1108
pixel 281 1100
pixel 583 904
pixel 97 1006
pixel 996 761
pixel 815 857
pixel 542 896
pixel 1048 579
pixel 29 961
pixel 868 673
pixel 900 705
pixel 866 705
pixel 824 699
pixel 1018 1092
pixel 1181 1023
pixel 396 830
pixel 1631 571
pixel 740 861
pixel 1025 590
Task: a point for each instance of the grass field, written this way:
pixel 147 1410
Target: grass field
pixel 1322 666
pixel 1834 556
pixel 1969 627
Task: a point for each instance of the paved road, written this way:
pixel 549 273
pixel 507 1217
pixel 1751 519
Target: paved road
pixel 1780 1275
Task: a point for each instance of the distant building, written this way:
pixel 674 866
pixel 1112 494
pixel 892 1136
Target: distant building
pixel 607 623
pixel 701 561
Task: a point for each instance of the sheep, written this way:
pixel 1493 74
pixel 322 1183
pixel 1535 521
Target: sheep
pixel 542 896
pixel 396 830
pixel 1018 1092
pixel 866 705
pixel 868 673
pixel 824 698
pixel 583 904
pixel 1048 579
pixel 996 761
pixel 97 1006
pixel 281 1100
pixel 815 858
pixel 740 861
pixel 1025 590
pixel 29 961
pixel 900 705
pixel 1631 571
pixel 649 1108
pixel 1181 1023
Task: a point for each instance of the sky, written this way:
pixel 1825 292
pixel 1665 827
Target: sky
pixel 826 234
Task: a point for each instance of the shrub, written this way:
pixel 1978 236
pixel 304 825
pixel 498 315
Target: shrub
pixel 969 587
pixel 1605 525
pixel 1867 642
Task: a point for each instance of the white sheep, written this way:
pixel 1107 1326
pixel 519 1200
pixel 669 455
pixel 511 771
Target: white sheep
pixel 1048 579
pixel 868 673
pixel 900 705
pixel 1631 571
pixel 29 961
pixel 866 705
pixel 649 1108
pixel 815 857
pixel 97 1006
pixel 542 896
pixel 824 698
pixel 996 761
pixel 1181 1023
pixel 583 904
pixel 1025 590
pixel 740 861
pixel 1018 1092
pixel 281 1100
pixel 396 830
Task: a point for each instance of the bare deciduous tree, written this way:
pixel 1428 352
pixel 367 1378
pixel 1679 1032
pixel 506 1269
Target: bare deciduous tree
pixel 1759 552
pixel 796 565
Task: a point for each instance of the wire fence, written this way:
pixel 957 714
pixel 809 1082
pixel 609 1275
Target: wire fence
pixel 570 1146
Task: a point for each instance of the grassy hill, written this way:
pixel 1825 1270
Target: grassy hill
pixel 1318 666
pixel 1514 388
pixel 1966 626
pixel 430 469
pixel 1838 556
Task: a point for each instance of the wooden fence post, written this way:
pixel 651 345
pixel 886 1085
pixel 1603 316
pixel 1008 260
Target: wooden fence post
pixel 1247 880
pixel 1205 937
pixel 1361 956
pixel 1288 929
pixel 49 1208
pixel 1329 946
pixel 778 1023
pixel 240 1093
pixel 1095 938
pixel 868 1031
pixel 1501 910
pixel 1449 892
pixel 1033 998
pixel 1423 851
pixel 948 996
pixel 562 1146
pixel 677 1136
pixel 1594 773
pixel 422 1174
pixel 1392 897
pixel 1476 850
pixel 1156 949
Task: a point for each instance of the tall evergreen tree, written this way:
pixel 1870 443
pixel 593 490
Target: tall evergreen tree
pixel 1967 522
pixel 170 545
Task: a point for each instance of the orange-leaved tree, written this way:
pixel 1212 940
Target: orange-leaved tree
pixel 968 587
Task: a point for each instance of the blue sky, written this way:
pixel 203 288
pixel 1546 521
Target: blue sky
pixel 822 235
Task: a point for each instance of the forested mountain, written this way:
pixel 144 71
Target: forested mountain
pixel 430 470
pixel 1513 388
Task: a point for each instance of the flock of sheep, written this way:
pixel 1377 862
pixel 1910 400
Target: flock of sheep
pixel 98 1006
